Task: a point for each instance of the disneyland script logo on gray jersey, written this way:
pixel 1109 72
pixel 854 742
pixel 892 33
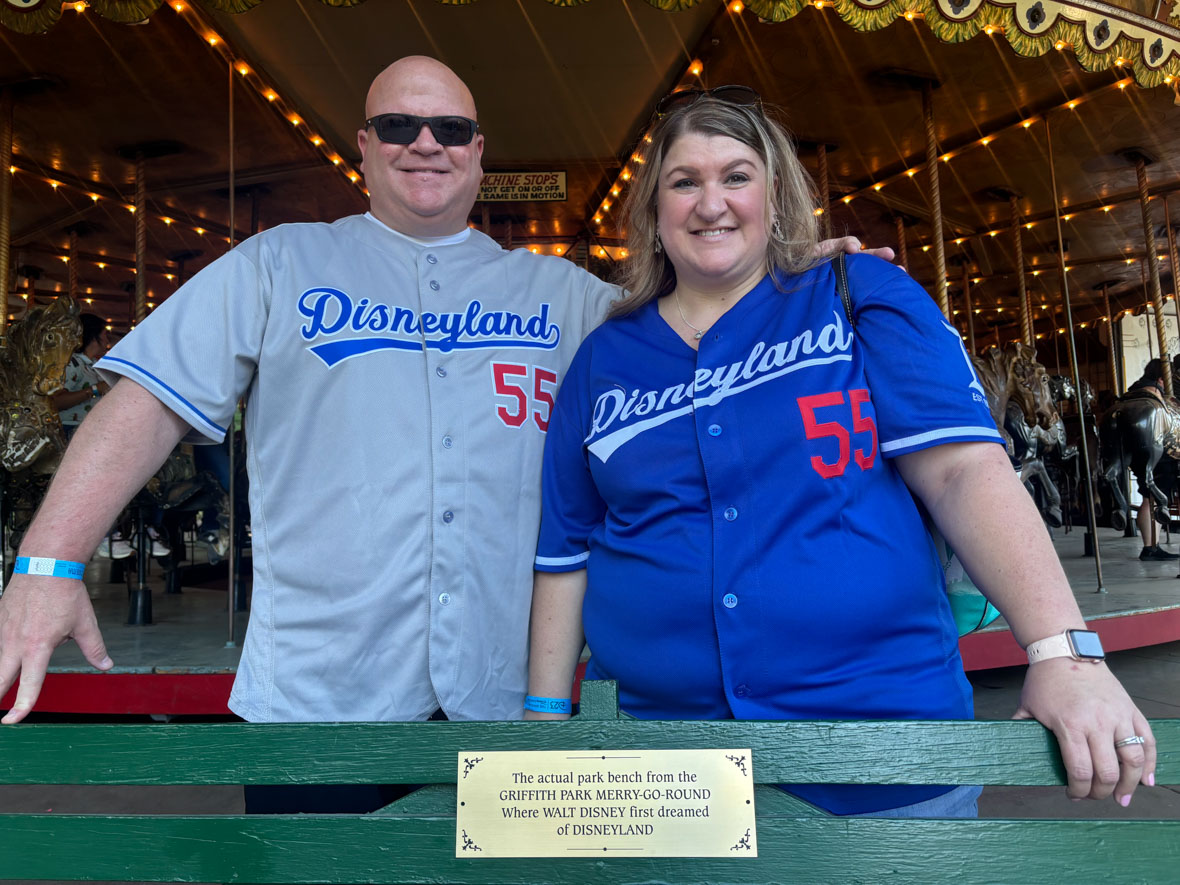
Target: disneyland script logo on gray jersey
pixel 615 408
pixel 354 329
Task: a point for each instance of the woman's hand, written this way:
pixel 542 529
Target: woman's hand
pixel 1088 710
pixel 852 246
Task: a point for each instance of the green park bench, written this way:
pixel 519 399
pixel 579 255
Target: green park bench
pixel 413 841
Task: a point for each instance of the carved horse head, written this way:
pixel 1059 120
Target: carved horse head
pixel 31 368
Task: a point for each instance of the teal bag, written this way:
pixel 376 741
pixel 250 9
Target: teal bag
pixel 970 608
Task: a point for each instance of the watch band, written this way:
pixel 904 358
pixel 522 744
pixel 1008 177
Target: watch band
pixel 1054 647
pixel 1059 646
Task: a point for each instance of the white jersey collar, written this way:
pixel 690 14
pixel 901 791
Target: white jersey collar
pixel 449 240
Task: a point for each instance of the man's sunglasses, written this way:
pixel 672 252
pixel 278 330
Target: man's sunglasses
pixel 683 98
pixel 449 131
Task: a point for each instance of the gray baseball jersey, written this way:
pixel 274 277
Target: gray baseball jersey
pixel 398 399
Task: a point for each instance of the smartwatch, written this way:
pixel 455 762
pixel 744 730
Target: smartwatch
pixel 1081 645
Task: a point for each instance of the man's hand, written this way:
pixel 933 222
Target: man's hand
pixel 852 246
pixel 1089 711
pixel 37 614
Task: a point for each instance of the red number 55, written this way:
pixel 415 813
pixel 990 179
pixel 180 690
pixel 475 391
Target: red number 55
pixel 836 430
pixel 543 387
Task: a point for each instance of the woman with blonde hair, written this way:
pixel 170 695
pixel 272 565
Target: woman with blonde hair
pixel 729 514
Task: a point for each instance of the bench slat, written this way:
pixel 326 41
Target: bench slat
pixel 1013 753
pixel 367 849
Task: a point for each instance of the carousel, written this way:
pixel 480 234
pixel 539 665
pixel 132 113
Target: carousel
pixel 1022 158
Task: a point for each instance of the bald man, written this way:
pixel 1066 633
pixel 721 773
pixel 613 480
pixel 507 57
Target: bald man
pixel 399 369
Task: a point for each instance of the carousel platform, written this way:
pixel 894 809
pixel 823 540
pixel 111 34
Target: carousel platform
pixel 184 664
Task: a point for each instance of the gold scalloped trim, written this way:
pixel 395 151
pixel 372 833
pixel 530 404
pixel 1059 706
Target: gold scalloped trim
pixel 29 16
pixel 126 12
pixel 1099 35
pixel 233 7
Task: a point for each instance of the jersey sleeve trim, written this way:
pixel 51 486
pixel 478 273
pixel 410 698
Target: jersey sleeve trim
pixel 937 437
pixel 143 373
pixel 561 563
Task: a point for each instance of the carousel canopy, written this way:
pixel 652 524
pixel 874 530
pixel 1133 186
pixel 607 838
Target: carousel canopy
pixel 1020 93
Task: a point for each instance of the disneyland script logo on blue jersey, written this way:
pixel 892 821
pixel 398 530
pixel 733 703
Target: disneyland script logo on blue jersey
pixel 355 329
pixel 614 410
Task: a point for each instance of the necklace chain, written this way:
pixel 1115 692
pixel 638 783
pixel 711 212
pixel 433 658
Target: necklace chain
pixel 700 333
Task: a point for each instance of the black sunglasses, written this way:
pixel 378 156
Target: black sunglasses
pixel 449 131
pixel 683 98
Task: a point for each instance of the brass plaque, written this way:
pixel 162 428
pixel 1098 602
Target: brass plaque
pixel 638 803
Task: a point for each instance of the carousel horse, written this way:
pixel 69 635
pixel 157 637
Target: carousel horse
pixel 1035 438
pixel 1140 429
pixel 1013 374
pixel 32 366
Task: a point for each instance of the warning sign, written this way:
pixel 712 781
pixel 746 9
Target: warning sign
pixel 535 187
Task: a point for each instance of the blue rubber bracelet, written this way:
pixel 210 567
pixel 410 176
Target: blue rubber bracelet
pixel 548 705
pixel 50 568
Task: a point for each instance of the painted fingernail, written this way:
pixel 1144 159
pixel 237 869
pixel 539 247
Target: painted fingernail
pixel 1125 801
pixel 1151 779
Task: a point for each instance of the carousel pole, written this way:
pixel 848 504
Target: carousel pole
pixel 1026 323
pixel 1172 258
pixel 902 258
pixel 7 106
pixel 1141 161
pixel 73 265
pixel 1114 368
pixel 967 307
pixel 1091 519
pixel 140 237
pixel 825 201
pixel 940 287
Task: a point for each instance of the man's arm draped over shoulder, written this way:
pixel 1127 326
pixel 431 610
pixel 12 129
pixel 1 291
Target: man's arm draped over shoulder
pixel 117 448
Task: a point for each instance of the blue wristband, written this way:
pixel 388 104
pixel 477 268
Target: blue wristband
pixel 548 705
pixel 50 568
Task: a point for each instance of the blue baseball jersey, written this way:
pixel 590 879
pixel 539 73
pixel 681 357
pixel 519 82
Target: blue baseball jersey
pixel 751 551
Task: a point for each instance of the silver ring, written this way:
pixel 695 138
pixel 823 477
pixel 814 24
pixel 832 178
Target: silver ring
pixel 1131 741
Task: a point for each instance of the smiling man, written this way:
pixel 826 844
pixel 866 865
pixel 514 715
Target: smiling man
pixel 399 370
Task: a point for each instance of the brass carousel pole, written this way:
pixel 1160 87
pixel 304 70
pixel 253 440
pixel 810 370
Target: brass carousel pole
pixel 967 307
pixel 1141 159
pixel 902 258
pixel 1091 518
pixel 825 203
pixel 1114 367
pixel 73 264
pixel 140 237
pixel 1172 260
pixel 940 287
pixel 6 126
pixel 1026 323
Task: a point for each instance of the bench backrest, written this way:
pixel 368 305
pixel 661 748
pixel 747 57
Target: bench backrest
pixel 413 841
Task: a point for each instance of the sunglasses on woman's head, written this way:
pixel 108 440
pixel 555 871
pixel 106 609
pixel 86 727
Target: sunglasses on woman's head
pixel 683 98
pixel 449 131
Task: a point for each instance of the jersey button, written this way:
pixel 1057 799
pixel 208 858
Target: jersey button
pixel 430 257
pixel 434 285
pixel 730 514
pixel 444 598
pixel 441 372
pixel 714 430
pixel 448 517
pixel 729 600
pixel 740 691
pixel 447 442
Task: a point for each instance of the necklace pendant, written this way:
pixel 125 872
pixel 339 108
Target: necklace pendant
pixel 699 335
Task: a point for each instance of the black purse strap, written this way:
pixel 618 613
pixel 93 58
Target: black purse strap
pixel 840 263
